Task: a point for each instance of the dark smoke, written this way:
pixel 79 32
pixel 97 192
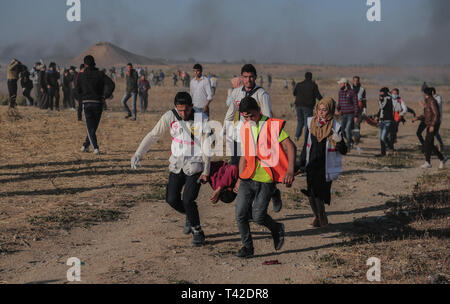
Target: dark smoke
pixel 433 47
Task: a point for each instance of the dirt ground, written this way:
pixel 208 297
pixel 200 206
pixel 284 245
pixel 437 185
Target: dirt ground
pixel 57 203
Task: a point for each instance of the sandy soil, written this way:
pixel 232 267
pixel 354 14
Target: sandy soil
pixel 42 174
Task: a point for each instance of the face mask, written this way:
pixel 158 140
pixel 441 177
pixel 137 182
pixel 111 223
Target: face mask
pixel 394 96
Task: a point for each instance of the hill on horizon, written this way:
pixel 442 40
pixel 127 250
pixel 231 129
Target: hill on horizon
pixel 107 54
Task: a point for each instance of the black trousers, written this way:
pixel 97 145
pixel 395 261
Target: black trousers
pixel 53 98
pixel 27 93
pixel 92 114
pixel 430 147
pixel 80 110
pixel 12 90
pixel 66 98
pixel 419 132
pixel 186 204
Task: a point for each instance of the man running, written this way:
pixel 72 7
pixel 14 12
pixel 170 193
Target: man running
pixel 189 165
pixel 262 165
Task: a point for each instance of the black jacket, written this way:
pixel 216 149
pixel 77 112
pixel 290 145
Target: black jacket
pixel 132 82
pixel 93 84
pixel 306 93
pixel 25 80
pixel 52 78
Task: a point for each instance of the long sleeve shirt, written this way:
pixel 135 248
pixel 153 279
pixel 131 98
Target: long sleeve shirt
pixel 348 102
pixel 187 151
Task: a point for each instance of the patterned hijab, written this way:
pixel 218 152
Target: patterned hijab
pixel 323 128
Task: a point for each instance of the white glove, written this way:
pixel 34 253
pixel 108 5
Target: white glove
pixel 336 137
pixel 135 162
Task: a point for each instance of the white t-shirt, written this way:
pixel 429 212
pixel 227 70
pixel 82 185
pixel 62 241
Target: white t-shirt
pixel 200 91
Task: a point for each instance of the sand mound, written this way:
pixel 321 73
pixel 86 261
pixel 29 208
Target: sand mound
pixel 107 54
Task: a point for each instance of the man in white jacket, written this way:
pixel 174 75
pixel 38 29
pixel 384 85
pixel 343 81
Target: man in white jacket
pixel 233 119
pixel 189 164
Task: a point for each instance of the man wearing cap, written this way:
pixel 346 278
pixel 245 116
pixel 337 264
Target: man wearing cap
pixel 92 88
pixel 189 164
pixel 201 92
pixel 348 109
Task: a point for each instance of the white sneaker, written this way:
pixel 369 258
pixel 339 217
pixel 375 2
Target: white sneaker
pixel 84 149
pixel 358 149
pixel 96 152
pixel 442 163
pixel 426 165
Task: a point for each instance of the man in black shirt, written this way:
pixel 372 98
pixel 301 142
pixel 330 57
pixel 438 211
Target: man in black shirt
pixel 306 93
pixel 385 118
pixel 92 88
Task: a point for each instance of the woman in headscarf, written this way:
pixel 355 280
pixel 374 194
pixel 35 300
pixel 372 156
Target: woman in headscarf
pixel 321 157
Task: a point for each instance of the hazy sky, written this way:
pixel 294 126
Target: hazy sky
pixel 290 31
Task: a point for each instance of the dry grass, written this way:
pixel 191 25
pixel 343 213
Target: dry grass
pixel 47 185
pixel 411 240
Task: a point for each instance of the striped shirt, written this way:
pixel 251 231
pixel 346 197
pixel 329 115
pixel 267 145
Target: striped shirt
pixel 348 102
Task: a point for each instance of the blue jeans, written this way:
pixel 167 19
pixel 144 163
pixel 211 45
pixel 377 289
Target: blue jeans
pixel 253 198
pixel 144 101
pixel 346 125
pixel 302 119
pixel 385 127
pixel 125 100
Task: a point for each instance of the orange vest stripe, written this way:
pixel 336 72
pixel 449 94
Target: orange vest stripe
pixel 275 171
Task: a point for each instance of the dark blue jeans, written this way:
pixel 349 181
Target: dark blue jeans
pixel 302 119
pixel 253 197
pixel 125 100
pixel 346 125
pixel 385 128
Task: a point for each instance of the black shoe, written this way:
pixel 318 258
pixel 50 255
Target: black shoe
pixel 244 253
pixel 278 237
pixel 128 116
pixel 187 227
pixel 198 236
pixel 276 201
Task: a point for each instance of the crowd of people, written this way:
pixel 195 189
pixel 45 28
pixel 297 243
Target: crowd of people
pixel 262 152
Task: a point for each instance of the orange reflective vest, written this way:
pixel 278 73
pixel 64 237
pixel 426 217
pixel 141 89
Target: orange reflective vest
pixel 266 148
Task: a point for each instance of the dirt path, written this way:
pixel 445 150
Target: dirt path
pixel 149 247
